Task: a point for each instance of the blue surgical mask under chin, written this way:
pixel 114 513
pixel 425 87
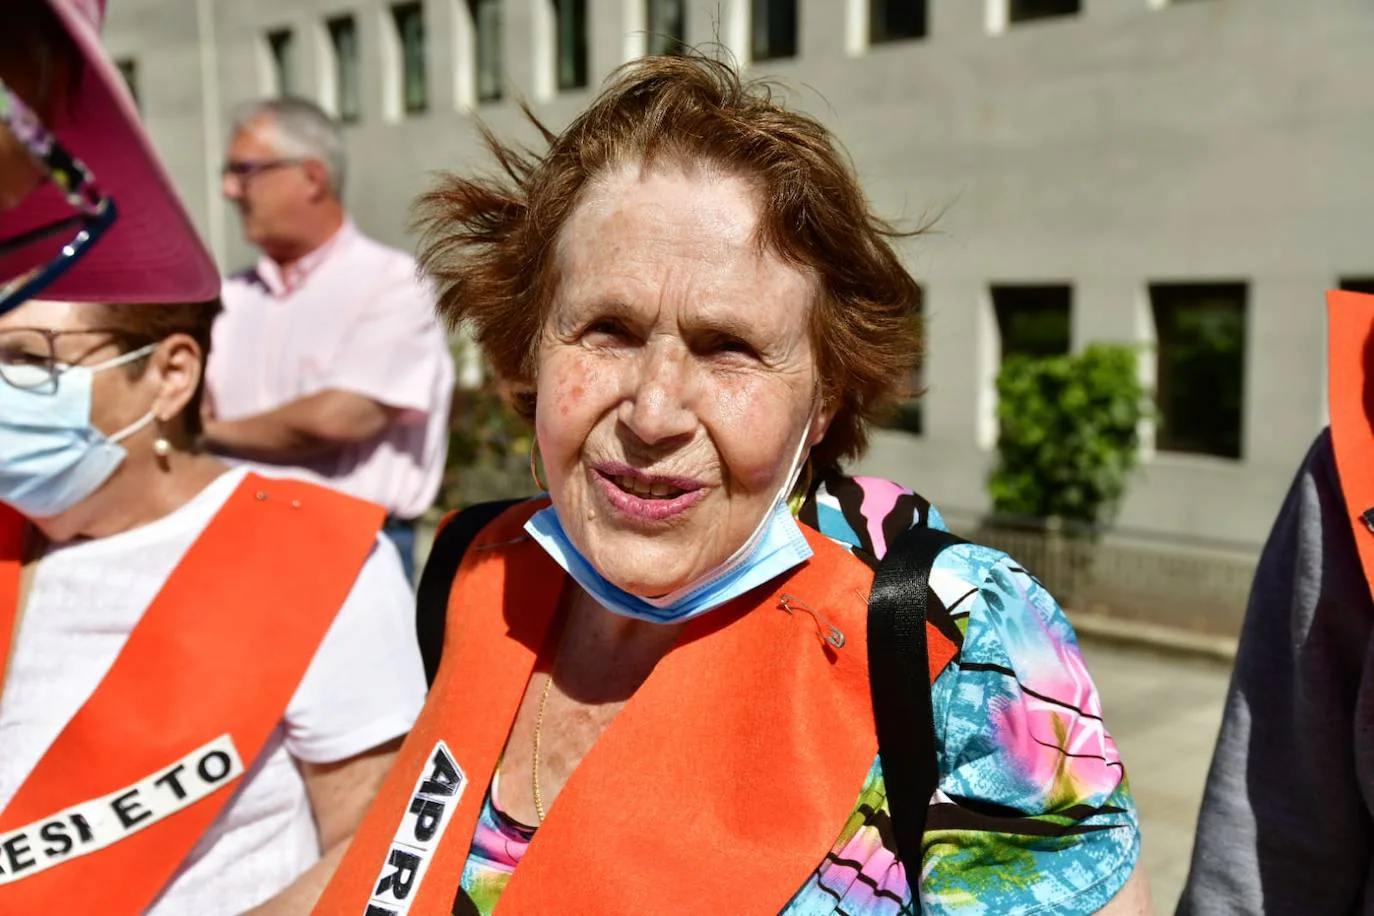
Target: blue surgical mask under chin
pixel 776 546
pixel 51 456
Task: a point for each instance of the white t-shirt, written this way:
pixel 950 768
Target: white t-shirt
pixel 364 687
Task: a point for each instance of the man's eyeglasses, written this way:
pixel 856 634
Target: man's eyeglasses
pixel 243 170
pixel 28 356
pixel 95 212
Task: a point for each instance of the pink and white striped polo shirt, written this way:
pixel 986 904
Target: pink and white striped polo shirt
pixel 352 316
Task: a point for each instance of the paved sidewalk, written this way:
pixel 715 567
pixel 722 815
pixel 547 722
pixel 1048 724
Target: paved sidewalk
pixel 1164 711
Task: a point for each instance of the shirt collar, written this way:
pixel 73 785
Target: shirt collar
pixel 281 283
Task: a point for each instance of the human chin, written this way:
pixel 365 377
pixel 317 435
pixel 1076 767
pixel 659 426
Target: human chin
pixel 642 564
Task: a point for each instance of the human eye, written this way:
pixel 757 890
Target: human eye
pixel 728 346
pixel 606 331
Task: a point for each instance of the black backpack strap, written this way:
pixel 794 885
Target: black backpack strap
pixel 898 676
pixel 431 598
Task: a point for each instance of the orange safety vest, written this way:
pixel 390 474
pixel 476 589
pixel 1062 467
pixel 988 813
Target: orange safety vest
pixel 1350 372
pixel 749 732
pixel 144 767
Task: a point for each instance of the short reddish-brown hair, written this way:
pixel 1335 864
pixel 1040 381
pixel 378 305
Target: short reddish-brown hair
pixel 489 243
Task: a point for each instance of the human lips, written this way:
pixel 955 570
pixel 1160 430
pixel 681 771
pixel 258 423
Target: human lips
pixel 644 496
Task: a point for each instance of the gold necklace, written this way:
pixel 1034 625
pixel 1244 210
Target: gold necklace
pixel 534 766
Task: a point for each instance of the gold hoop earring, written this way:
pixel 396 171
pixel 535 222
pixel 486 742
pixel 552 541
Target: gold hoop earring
pixel 534 464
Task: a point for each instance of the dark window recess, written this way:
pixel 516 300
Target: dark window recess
pixel 282 45
pixel 1033 320
pixel 667 26
pixel 343 39
pixel 896 20
pixel 487 27
pixel 1358 285
pixel 572 43
pixel 410 32
pixel 1028 10
pixel 1200 334
pixel 773 29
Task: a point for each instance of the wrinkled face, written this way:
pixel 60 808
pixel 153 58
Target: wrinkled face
pixel 676 376
pixel 272 196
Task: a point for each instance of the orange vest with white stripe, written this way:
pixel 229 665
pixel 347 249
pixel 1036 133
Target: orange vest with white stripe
pixel 1350 371
pixel 750 729
pixel 141 771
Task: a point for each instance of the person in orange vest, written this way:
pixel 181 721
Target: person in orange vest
pixel 657 691
pixel 204 672
pixel 1287 821
pixel 87 211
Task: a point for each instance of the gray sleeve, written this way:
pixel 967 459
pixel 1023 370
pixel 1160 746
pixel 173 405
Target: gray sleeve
pixel 1284 827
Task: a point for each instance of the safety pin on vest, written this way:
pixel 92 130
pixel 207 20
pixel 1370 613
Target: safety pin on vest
pixel 826 632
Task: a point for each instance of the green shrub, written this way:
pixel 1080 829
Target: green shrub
pixel 1069 434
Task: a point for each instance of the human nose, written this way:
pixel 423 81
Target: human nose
pixel 658 409
pixel 231 186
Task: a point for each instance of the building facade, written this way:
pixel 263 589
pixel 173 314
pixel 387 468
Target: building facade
pixel 1183 175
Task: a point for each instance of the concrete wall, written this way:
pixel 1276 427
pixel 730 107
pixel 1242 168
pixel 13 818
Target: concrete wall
pixel 1139 141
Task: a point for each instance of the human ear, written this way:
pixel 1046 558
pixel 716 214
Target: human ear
pixel 178 364
pixel 321 184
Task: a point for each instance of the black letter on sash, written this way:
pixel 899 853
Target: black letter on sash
pixel 374 910
pixel 223 764
pixel 427 815
pixel 125 806
pixel 170 778
pixel 56 832
pixel 398 882
pixel 444 778
pixel 16 846
pixel 83 829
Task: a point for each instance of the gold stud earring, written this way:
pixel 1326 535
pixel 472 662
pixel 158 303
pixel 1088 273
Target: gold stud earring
pixel 534 464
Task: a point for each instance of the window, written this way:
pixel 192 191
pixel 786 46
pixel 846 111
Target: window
pixel 667 29
pixel 486 21
pixel 773 29
pixel 128 68
pixel 1200 375
pixel 572 43
pixel 281 48
pixel 1033 320
pixel 896 20
pixel 343 40
pixel 1027 10
pixel 410 31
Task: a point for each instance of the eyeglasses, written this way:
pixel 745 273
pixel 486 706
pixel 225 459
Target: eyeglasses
pixel 28 356
pixel 95 212
pixel 243 170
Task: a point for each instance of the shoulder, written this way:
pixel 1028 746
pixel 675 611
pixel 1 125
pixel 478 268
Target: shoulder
pixel 243 282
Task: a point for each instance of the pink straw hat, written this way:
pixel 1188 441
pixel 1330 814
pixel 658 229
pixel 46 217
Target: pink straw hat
pixel 152 252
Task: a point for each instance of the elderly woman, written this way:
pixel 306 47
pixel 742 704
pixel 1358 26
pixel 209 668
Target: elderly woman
pixel 204 673
pixel 693 302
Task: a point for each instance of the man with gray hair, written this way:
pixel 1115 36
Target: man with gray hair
pixel 328 354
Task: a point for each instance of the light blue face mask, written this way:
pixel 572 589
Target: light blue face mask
pixel 51 457
pixel 776 546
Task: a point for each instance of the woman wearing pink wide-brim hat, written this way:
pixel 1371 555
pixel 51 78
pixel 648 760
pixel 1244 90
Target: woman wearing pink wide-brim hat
pixel 87 211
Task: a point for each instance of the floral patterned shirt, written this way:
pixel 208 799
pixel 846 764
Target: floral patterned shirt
pixel 1032 815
